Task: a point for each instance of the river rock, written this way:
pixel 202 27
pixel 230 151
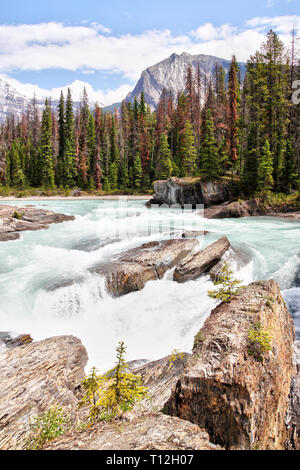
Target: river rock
pixel 236 209
pixel 189 191
pixel 19 219
pixel 12 342
pixel 140 431
pixel 131 270
pixel 202 262
pixel 241 401
pixel 33 378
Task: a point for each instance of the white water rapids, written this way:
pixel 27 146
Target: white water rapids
pixel 36 296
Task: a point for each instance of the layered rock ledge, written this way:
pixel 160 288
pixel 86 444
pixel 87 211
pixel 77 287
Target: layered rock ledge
pixel 14 220
pixel 241 401
pixel 32 378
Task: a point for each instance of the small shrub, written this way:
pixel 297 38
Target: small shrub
pixel 230 287
pixel 259 341
pixel 175 356
pixel 199 338
pixel 113 393
pixel 17 215
pixel 47 427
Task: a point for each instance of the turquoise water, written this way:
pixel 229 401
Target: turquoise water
pixel 162 317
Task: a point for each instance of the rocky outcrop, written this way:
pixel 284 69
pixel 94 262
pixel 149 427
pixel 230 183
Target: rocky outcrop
pixel 253 207
pixel 201 262
pixel 131 270
pixel 160 377
pixel 142 431
pixel 9 341
pixel 34 377
pixel 241 401
pixel 235 209
pixel 293 414
pixel 19 219
pixel 189 191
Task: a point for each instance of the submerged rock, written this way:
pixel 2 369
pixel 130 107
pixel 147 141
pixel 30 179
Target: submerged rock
pixel 132 269
pixel 240 400
pixel 201 262
pixel 19 219
pixel 33 378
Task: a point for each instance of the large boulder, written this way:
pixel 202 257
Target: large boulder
pixel 189 191
pixel 34 377
pixel 240 400
pixel 201 262
pixel 131 270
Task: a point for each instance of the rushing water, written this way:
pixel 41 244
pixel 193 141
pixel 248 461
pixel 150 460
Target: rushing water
pixel 162 317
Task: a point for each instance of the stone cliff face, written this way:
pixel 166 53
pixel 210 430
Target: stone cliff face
pixel 241 401
pixel 190 191
pixel 33 378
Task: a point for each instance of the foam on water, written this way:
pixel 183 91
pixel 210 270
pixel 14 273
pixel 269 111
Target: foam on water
pixel 162 317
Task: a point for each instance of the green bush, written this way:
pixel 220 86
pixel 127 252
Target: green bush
pixel 259 341
pixel 52 424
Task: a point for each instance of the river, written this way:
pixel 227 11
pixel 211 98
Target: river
pixel 153 322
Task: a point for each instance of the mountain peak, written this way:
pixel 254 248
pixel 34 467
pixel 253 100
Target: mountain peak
pixel 170 73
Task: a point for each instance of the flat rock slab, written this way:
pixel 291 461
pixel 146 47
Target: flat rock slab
pixel 202 262
pixel 143 431
pixel 33 378
pixel 20 219
pixel 130 271
pixel 241 401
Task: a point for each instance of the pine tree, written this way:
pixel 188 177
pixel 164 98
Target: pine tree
pixel 210 167
pixel 164 165
pixel 233 110
pixel 289 174
pixel 46 165
pixel 188 155
pixel 265 169
pixel 137 172
pixel 62 143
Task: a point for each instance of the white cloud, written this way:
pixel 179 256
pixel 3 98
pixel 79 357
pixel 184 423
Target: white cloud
pixel 92 47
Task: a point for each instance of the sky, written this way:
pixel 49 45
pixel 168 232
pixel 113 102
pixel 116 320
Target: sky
pixel 106 44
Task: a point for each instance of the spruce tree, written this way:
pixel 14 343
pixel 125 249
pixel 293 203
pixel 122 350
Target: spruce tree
pixel 210 166
pixel 164 164
pixel 46 165
pixel 265 169
pixel 188 155
pixel 62 143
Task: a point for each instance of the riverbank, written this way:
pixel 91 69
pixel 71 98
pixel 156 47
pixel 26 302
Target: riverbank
pixel 75 198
